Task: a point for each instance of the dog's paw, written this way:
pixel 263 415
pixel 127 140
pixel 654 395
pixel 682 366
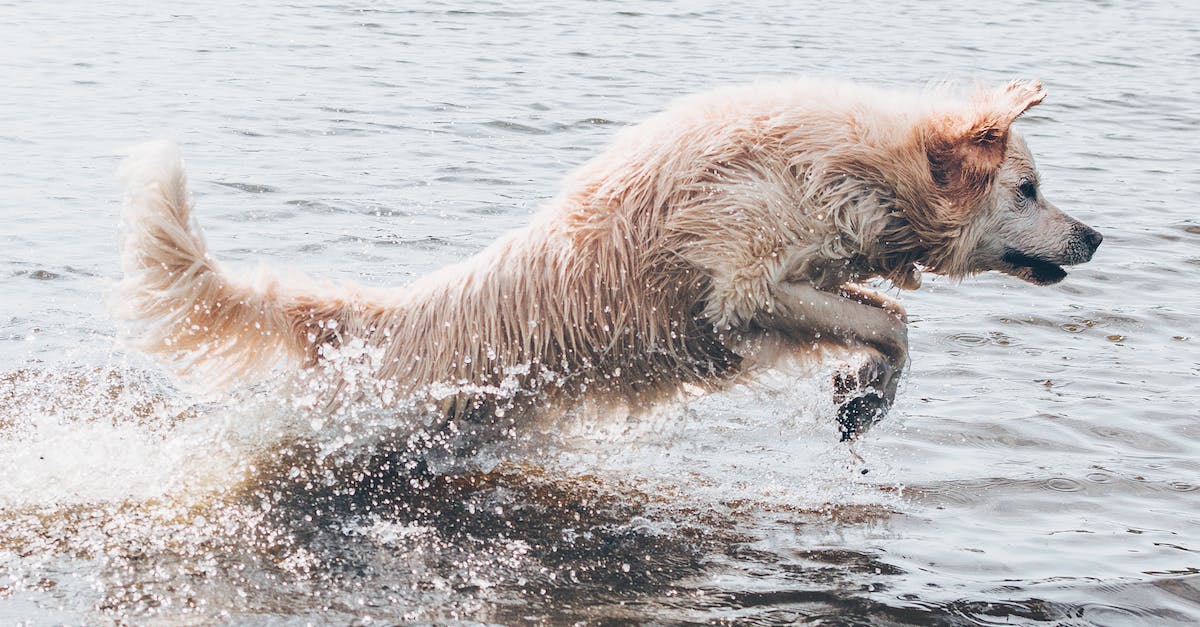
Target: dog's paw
pixel 849 382
pixel 844 384
pixel 857 415
pixel 862 395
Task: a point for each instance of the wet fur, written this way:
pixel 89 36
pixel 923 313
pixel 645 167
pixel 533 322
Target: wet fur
pixel 736 225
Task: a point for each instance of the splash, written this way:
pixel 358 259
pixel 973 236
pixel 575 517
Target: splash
pixel 220 508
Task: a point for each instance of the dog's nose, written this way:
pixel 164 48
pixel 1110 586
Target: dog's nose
pixel 1084 242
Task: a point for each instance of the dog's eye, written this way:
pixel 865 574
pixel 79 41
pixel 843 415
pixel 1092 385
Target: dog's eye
pixel 1028 190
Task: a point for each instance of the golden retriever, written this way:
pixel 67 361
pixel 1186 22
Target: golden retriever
pixel 734 227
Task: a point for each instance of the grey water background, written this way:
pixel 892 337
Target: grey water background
pixel 1041 465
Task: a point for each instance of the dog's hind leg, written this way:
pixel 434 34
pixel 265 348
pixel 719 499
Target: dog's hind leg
pixel 852 318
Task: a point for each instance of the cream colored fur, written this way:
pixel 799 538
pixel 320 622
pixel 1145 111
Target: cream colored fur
pixel 734 220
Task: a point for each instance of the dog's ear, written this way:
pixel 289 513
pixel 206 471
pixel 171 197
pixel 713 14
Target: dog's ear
pixel 967 146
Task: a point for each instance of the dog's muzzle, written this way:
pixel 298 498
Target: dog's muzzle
pixel 1041 270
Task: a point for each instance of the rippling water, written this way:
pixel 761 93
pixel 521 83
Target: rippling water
pixel 1041 464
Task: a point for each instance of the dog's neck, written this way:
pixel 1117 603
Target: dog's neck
pixel 900 257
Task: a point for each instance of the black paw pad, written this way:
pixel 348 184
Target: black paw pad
pixel 856 415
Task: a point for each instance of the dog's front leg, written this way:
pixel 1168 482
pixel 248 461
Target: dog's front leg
pixel 853 318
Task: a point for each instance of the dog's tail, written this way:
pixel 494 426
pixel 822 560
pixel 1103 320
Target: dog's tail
pixel 213 327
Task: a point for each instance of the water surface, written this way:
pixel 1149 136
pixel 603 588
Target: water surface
pixel 1040 466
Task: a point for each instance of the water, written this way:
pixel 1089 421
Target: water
pixel 1040 466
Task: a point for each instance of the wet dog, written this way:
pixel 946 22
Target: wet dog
pixel 734 227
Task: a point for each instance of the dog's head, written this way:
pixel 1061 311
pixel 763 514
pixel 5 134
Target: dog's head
pixel 993 214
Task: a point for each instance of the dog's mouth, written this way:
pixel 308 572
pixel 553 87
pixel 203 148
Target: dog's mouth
pixel 1032 269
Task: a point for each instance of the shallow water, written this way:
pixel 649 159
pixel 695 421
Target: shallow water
pixel 1041 464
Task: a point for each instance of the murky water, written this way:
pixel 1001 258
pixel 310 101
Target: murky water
pixel 1041 464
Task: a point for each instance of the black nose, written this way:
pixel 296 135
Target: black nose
pixel 1092 237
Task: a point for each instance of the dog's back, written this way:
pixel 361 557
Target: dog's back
pixel 547 311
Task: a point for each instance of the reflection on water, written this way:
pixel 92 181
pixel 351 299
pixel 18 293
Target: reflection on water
pixel 1040 465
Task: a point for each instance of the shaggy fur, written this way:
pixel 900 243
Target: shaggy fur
pixel 735 221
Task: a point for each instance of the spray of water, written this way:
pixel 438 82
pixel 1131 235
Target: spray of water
pixel 165 504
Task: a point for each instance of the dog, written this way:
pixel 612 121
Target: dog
pixel 734 228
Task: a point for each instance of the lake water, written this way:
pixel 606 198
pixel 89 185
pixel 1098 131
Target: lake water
pixel 1040 466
